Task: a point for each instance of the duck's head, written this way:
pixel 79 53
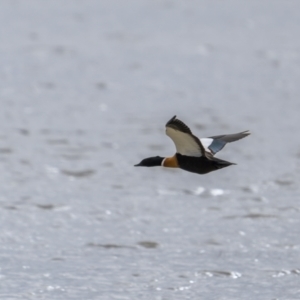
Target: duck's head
pixel 151 162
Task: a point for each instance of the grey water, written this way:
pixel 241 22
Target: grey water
pixel 86 89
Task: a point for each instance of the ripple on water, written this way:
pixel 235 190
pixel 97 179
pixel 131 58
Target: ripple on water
pixel 144 244
pixel 148 244
pixel 282 273
pixel 250 189
pixel 109 246
pixel 259 216
pixel 10 207
pixel 221 273
pixel 217 192
pixel 284 182
pixel 58 141
pixel 199 190
pixel 213 242
pixel 24 131
pixel 251 216
pixel 202 191
pixel 5 150
pixel 45 206
pixel 79 174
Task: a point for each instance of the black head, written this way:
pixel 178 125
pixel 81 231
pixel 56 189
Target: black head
pixel 150 162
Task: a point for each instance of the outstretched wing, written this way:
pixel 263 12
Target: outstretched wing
pixel 214 144
pixel 185 142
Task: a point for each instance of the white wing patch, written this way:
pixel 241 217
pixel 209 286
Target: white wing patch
pixel 206 142
pixel 184 142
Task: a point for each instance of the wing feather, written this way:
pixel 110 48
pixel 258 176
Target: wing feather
pixel 215 144
pixel 188 144
pixel 185 142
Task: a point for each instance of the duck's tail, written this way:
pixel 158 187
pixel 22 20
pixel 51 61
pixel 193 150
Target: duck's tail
pixel 218 163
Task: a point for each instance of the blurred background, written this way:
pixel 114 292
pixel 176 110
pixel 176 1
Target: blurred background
pixel 86 88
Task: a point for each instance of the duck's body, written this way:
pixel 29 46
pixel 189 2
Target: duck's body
pixel 192 154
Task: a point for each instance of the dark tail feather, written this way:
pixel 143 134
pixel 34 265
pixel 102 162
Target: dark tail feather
pixel 220 164
pixel 228 138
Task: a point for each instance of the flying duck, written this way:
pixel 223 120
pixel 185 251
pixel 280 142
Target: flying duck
pixel 193 154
